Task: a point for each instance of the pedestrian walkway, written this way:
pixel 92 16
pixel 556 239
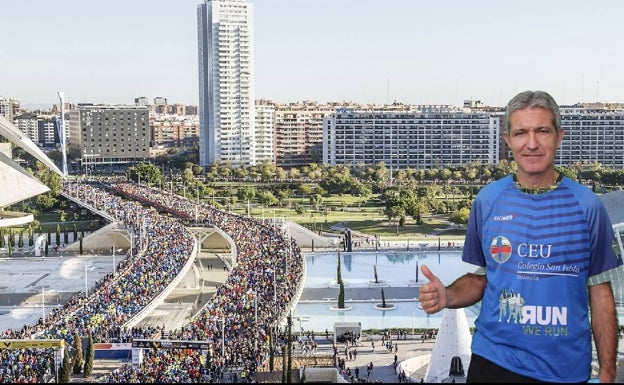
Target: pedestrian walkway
pixel 382 359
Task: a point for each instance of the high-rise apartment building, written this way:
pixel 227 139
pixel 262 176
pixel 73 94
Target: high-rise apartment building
pixel 226 82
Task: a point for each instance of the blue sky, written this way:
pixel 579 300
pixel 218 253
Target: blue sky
pixel 411 51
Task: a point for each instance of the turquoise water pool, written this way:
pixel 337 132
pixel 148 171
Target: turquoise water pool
pixel 396 269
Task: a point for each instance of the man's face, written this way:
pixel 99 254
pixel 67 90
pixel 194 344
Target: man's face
pixel 533 140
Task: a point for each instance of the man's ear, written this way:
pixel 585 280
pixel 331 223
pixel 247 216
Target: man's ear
pixel 506 138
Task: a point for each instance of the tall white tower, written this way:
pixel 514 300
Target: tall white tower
pixel 226 82
pixel 62 134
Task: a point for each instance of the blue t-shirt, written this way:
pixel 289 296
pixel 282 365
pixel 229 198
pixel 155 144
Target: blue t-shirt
pixel 539 251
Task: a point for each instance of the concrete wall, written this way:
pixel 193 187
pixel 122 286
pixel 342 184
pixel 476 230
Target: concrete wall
pixel 103 239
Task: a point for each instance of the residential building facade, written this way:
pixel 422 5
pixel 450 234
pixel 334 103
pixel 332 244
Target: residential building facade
pixel 109 134
pixel 174 130
pixel 299 132
pixel 265 132
pixel 226 83
pixel 41 129
pixel 592 134
pixel 425 137
pixel 27 124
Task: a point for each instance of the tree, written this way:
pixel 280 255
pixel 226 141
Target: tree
pixel 341 295
pixel 460 217
pixel 78 358
pixel 383 298
pixel 65 369
pixel 45 202
pixel 316 200
pixel 305 189
pixel 145 172
pixel 267 198
pixel 375 273
pixel 294 173
pixel 246 193
pixel 289 366
pixel 283 195
pixel 90 356
pixel 284 364
pixel 338 270
pixel 272 351
pixel 58 234
pixel 31 236
pixel 197 169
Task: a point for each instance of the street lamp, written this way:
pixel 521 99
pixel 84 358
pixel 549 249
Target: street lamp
pixel 222 335
pixel 86 279
pixel 43 303
pixel 114 263
pixel 255 293
pixel 255 317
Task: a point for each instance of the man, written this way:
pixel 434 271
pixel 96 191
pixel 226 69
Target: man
pixel 543 245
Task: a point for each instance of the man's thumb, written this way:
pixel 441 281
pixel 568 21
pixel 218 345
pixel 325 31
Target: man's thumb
pixel 428 274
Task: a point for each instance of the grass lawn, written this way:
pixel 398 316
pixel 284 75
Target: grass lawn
pixel 365 219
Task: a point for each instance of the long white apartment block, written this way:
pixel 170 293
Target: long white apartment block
pixel 594 135
pixel 422 138
pixel 226 83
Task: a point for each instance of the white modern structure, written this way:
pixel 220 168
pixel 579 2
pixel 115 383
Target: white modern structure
pixel 62 133
pixel 226 82
pixel 18 183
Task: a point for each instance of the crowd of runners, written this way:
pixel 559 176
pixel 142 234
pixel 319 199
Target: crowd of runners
pixel 258 294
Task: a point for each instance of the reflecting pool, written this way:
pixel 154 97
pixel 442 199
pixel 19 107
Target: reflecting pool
pixel 394 269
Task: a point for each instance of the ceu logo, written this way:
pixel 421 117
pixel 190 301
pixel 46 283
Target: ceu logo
pixel 500 249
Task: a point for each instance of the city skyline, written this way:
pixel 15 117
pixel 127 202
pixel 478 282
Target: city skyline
pixel 329 51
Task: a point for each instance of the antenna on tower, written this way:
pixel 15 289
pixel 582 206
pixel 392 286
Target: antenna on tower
pixel 62 137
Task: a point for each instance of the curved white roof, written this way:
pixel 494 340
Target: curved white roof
pixel 18 183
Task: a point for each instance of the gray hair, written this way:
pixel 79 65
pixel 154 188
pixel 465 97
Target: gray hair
pixel 532 99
